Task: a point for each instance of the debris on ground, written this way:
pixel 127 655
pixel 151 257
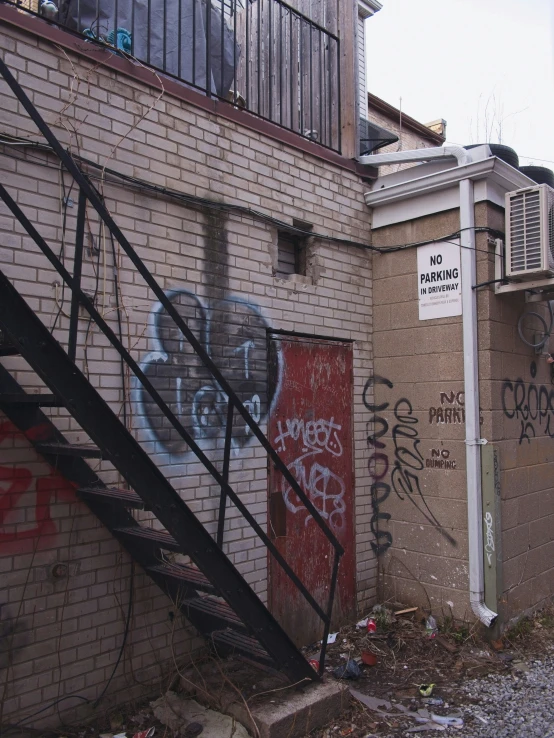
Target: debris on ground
pixel 388 702
pixel 350 670
pixel 184 716
pixel 499 689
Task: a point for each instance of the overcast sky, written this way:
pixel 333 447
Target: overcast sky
pixel 482 65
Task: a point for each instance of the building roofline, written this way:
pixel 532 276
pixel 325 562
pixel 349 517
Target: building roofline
pixel 367 8
pixel 407 120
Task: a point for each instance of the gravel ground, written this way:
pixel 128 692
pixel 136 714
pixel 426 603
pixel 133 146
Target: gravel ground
pixel 515 705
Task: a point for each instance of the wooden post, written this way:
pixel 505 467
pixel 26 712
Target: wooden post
pixel 347 20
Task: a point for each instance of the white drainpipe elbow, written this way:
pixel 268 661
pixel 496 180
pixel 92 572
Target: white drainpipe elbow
pixel 403 157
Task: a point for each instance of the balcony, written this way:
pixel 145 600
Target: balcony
pixel 259 55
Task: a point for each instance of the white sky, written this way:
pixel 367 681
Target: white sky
pixel 450 58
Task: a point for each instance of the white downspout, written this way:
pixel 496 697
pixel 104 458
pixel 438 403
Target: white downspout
pixel 471 365
pixel 471 388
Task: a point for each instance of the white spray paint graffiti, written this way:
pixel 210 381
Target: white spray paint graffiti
pixel 489 546
pixel 324 488
pixel 233 332
pixel 322 433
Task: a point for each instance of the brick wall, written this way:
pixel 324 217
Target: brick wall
pixel 218 267
pixel 409 139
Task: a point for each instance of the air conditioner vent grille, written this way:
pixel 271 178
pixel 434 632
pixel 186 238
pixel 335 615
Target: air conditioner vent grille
pixel 525 227
pixel 551 224
pixel 530 232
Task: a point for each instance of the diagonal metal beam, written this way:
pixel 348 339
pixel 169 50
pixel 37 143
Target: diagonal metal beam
pixel 96 201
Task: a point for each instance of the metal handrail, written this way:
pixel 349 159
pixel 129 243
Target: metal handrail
pixel 88 192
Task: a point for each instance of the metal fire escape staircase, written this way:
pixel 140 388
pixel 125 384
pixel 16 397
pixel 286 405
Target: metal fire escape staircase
pixel 209 590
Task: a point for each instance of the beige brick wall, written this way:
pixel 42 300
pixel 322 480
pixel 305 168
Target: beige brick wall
pixel 196 254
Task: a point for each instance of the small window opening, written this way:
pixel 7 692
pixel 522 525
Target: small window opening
pixel 291 251
pixel 288 255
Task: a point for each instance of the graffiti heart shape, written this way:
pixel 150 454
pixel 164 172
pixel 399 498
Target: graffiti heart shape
pixel 234 334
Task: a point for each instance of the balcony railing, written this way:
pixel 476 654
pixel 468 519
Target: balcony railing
pixel 259 55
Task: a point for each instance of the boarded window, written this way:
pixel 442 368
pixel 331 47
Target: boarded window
pixel 290 255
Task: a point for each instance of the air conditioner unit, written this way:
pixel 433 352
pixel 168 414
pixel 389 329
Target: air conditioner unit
pixel 530 232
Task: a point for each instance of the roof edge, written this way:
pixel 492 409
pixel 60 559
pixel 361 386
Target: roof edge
pixel 407 120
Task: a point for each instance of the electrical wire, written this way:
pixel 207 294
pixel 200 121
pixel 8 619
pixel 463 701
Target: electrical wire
pixel 61 255
pixel 13 726
pixel 201 202
pixel 125 634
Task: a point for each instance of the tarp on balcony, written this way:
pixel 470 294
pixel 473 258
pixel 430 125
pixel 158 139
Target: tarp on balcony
pixel 170 35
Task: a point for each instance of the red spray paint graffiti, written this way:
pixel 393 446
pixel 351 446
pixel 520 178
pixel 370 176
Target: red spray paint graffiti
pixel 16 535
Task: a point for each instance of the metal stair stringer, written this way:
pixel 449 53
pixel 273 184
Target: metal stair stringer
pixel 41 431
pixel 65 380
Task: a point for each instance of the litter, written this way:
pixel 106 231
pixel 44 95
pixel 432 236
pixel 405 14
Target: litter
pixel 331 638
pixel 422 728
pixel 431 627
pixel 362 623
pixel 406 611
pixel 350 670
pixel 145 733
pixel 426 690
pixel 378 704
pixel 433 701
pixel 482 719
pixel 449 720
pixel 371 625
pixel 369 658
pixel 375 704
pixel 314 663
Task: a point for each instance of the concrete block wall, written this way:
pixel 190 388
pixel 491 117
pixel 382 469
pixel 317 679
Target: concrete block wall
pixel 520 405
pixel 420 511
pixel 420 366
pixel 218 268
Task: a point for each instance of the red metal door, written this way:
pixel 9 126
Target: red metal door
pixel 310 426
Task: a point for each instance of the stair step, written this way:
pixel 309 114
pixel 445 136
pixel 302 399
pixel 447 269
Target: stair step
pixel 243 644
pixel 186 574
pixel 210 607
pixel 70 449
pixel 159 537
pixel 7 350
pixel 41 400
pixel 126 497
